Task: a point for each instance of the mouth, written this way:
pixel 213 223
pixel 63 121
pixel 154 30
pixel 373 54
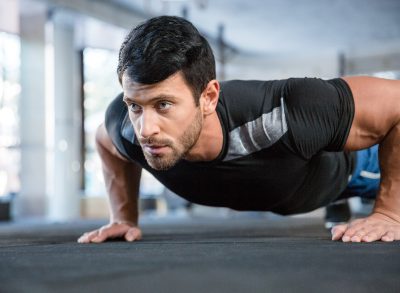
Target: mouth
pixel 155 150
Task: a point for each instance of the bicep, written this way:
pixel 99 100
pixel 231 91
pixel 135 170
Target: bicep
pixel 377 110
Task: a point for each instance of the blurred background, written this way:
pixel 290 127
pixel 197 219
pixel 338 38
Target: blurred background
pixel 58 63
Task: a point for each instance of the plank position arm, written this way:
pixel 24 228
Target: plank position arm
pixel 122 180
pixel 376 121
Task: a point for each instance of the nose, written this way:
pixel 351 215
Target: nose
pixel 148 125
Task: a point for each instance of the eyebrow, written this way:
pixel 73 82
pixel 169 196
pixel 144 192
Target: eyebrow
pixel 154 99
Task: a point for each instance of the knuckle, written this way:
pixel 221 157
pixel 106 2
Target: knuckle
pixel 359 232
pixel 390 233
pixel 93 233
pixel 356 222
pixel 104 229
pixel 339 229
pixel 103 234
pixel 381 229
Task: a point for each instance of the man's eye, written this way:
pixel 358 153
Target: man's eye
pixel 164 105
pixel 134 108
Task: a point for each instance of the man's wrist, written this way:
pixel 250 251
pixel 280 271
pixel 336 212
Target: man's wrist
pixel 387 213
pixel 124 220
pixel 120 222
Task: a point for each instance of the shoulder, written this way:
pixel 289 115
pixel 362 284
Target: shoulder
pixel 119 127
pixel 318 114
pixel 377 109
pixel 312 89
pixel 247 100
pixel 251 89
pixel 254 114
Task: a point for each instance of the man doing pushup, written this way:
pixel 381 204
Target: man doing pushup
pixel 286 146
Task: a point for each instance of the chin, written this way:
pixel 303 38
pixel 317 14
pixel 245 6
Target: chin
pixel 160 164
pixel 160 167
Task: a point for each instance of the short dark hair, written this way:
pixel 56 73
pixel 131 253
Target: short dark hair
pixel 162 46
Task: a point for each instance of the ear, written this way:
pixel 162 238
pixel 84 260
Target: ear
pixel 209 97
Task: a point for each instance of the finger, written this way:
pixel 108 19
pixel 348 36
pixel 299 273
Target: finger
pixel 112 231
pixel 373 235
pixel 133 234
pixel 104 234
pixel 388 236
pixel 338 231
pixel 358 235
pixel 356 230
pixel 82 238
pixel 397 235
pixel 88 236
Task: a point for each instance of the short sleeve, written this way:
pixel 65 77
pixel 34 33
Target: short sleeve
pixel 319 114
pixel 118 128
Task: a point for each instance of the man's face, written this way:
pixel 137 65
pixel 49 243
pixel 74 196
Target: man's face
pixel 165 118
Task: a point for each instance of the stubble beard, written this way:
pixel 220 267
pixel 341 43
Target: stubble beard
pixel 178 151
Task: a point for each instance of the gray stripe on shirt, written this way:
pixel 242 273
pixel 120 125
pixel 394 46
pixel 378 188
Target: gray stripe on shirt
pixel 258 134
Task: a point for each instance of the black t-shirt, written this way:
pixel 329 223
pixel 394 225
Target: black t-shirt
pixel 282 147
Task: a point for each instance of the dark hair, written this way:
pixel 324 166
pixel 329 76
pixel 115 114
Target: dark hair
pixel 162 46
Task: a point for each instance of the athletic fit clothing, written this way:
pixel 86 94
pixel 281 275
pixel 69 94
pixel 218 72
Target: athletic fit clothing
pixel 282 147
pixel 366 175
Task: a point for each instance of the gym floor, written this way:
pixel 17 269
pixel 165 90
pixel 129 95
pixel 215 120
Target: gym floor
pixel 245 254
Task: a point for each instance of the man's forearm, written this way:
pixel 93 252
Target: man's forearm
pixel 122 179
pixel 123 188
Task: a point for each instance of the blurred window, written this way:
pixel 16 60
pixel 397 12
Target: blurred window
pixel 387 74
pixel 100 87
pixel 10 89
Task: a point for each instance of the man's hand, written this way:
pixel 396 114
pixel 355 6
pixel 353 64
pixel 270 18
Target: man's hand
pixel 124 230
pixel 375 227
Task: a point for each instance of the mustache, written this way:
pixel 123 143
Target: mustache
pixel 155 141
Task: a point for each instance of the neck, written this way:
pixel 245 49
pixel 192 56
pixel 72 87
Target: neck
pixel 209 144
